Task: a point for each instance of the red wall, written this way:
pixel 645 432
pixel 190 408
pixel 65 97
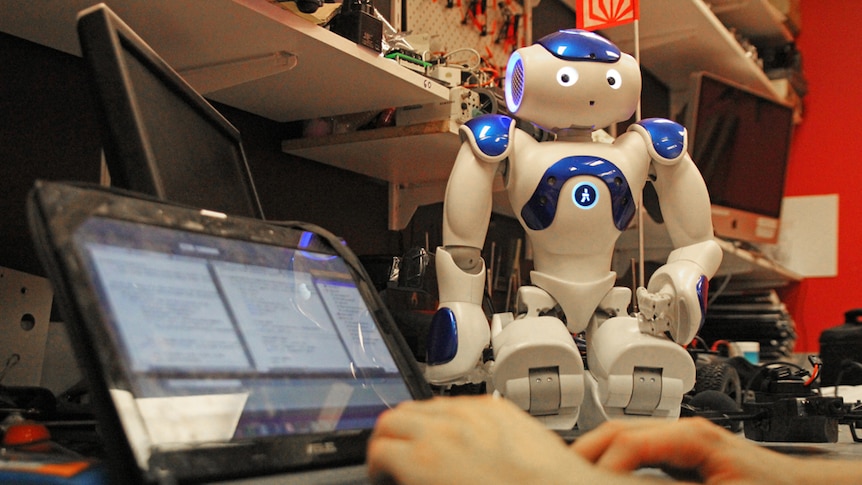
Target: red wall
pixel 826 158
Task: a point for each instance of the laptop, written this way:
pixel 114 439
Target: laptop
pixel 219 348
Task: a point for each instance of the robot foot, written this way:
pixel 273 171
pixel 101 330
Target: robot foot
pixel 538 367
pixel 633 374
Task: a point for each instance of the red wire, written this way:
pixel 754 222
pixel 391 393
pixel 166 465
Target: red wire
pixel 814 373
pixel 718 343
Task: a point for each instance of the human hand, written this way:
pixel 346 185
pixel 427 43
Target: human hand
pixel 473 439
pixel 464 439
pixel 694 444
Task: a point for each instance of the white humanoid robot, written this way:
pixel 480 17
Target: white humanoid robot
pixel 573 197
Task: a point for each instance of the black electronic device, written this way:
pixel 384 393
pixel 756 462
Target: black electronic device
pixel 308 6
pixel 841 351
pixel 219 347
pixel 780 402
pixel 357 21
pixel 161 137
pixel 786 407
pixel 740 141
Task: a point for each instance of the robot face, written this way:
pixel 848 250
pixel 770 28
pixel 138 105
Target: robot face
pixel 572 79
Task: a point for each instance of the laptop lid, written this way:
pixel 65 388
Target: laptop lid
pixel 218 347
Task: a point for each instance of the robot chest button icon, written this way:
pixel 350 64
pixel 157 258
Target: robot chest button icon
pixel 539 211
pixel 585 195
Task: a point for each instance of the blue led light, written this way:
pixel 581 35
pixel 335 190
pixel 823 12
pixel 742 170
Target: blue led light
pixel 585 195
pixel 305 239
pixel 514 82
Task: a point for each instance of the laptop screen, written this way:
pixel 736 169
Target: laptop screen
pixel 277 340
pixel 225 346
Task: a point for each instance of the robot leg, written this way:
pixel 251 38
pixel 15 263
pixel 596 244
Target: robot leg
pixel 632 374
pixel 537 364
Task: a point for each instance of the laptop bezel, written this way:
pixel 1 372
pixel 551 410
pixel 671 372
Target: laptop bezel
pixel 56 210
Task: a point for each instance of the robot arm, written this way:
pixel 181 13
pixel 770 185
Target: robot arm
pixel 467 205
pixel 674 302
pixel 459 330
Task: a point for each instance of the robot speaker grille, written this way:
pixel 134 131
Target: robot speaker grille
pixel 517 84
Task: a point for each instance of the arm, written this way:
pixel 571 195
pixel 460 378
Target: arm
pixel 480 439
pixel 674 302
pixel 459 331
pixel 713 453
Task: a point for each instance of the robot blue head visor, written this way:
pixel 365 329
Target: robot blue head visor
pixel 580 45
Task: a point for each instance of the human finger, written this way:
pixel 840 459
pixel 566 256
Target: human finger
pixel 391 461
pixel 628 446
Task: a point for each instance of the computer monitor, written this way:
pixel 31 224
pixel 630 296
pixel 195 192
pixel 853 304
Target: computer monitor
pixel 740 141
pixel 161 137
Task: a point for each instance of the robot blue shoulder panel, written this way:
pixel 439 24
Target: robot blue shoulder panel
pixel 489 136
pixel 667 140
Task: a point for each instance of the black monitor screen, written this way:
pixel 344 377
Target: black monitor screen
pixel 741 143
pixel 162 138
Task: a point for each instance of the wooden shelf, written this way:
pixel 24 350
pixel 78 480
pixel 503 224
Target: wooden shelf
pixel 258 57
pixel 416 161
pixel 750 270
pixel 680 37
pixel 403 155
pixel 757 20
pixel 331 75
pixel 746 269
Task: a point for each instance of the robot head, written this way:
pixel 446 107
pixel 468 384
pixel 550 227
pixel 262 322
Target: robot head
pixel 572 79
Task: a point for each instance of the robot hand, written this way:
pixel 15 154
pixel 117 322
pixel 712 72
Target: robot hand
pixel 674 302
pixel 654 310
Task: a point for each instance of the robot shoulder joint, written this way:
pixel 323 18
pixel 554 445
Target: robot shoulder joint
pixel 666 140
pixel 489 136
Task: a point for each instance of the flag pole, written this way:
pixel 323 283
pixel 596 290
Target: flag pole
pixel 641 266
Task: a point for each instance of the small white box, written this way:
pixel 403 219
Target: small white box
pixel 25 314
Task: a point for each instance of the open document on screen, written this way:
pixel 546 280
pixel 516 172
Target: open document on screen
pixel 195 311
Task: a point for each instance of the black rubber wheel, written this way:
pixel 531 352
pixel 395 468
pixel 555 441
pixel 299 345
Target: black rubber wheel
pixel 721 377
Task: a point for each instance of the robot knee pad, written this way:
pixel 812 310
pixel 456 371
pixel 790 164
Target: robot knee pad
pixel 635 374
pixel 538 367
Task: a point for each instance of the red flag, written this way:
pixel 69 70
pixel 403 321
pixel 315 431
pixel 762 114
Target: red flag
pixel 601 14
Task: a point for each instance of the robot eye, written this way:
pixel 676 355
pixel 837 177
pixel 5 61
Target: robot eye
pixel 567 76
pixel 615 80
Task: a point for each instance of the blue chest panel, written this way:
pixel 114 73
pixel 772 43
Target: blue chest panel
pixel 538 213
pixel 491 132
pixel 668 137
